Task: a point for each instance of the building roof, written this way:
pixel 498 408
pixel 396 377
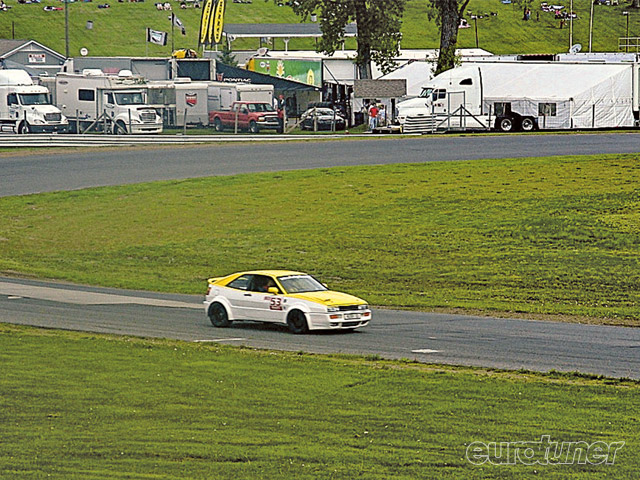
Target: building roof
pixel 280 30
pixel 9 47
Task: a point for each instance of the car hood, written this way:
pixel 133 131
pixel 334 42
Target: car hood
pixel 329 298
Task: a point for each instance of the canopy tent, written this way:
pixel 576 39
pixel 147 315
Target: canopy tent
pixel 562 95
pixel 417 75
pixel 227 73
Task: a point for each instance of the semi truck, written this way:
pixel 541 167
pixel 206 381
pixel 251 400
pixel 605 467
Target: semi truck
pixel 26 107
pixel 510 96
pixel 108 103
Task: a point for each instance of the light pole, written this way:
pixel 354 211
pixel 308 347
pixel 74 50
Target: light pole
pixel 571 25
pixel 591 25
pixel 626 38
pixel 66 28
pixel 475 23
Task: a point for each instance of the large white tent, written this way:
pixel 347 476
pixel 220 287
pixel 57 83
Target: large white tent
pixel 572 95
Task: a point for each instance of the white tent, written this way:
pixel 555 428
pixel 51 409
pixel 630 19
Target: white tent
pixel 417 75
pixel 562 95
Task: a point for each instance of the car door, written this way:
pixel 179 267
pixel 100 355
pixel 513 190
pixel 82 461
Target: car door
pixel 263 305
pixel 239 297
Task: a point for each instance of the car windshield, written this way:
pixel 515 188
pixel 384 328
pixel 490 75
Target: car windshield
pixel 301 284
pixel 130 98
pixel 33 99
pixel 426 92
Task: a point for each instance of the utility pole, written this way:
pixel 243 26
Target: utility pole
pixel 66 28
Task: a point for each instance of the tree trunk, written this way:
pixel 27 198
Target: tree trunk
pixel 364 43
pixel 450 15
pixel 635 4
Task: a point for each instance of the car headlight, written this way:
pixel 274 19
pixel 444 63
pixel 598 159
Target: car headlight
pixel 333 309
pixel 363 307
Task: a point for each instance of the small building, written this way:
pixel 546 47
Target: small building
pixel 31 56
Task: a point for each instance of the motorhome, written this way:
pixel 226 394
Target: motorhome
pixel 26 107
pixel 509 96
pixel 108 103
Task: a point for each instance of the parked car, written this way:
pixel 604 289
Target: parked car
pixel 322 119
pixel 251 116
pixel 294 299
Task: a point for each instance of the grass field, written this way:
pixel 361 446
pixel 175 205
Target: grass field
pixel 89 407
pixel 549 236
pixel 120 29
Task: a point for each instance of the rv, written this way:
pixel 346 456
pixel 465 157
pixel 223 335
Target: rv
pixel 527 96
pixel 108 103
pixel 25 107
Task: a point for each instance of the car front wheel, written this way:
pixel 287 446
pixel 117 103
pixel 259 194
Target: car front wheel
pixel 297 322
pixel 218 315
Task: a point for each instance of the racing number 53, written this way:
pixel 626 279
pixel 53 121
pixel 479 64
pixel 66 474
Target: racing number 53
pixel 276 303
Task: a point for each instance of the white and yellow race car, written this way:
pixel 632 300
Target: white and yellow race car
pixel 292 298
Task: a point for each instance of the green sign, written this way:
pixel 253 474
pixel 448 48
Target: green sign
pixel 304 71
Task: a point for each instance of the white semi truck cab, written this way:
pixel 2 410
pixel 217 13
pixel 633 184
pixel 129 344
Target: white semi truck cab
pixel 116 104
pixel 26 107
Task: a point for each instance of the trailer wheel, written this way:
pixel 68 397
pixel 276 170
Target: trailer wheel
pixel 23 128
pixel 528 125
pixel 505 124
pixel 217 123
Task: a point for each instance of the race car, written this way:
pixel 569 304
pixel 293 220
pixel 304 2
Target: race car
pixel 295 299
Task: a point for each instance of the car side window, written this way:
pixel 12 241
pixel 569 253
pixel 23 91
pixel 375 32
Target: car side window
pixel 241 283
pixel 261 283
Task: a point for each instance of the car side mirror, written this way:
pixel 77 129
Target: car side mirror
pixel 273 290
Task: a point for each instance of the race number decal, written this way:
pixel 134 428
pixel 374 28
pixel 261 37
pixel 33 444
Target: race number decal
pixel 276 303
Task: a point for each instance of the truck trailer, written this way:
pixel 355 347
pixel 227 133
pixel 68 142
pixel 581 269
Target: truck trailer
pixel 108 103
pixel 26 107
pixel 510 96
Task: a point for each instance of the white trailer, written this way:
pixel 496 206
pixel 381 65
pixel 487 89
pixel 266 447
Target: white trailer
pixel 25 107
pixel 180 101
pixel 221 94
pixel 109 103
pixel 527 96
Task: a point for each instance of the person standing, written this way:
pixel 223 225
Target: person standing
pixel 373 117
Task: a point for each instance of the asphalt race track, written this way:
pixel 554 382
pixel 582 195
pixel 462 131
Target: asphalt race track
pixel 432 338
pixel 449 339
pixel 63 170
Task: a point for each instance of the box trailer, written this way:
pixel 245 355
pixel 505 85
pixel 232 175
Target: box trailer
pixel 526 96
pixel 108 103
pixel 25 107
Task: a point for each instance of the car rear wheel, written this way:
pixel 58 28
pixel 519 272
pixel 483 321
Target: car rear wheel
pixel 297 322
pixel 218 315
pixel 218 125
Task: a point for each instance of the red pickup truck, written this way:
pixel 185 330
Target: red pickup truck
pixel 251 116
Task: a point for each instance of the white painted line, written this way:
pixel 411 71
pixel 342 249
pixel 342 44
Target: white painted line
pixel 85 298
pixel 13 297
pixel 220 340
pixel 425 350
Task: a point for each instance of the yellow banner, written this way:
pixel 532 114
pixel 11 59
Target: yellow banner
pixel 218 21
pixel 206 22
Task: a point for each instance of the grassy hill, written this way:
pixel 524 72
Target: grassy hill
pixel 120 29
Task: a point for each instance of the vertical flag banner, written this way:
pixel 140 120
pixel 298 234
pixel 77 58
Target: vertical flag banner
pixel 212 22
pixel 205 20
pixel 218 21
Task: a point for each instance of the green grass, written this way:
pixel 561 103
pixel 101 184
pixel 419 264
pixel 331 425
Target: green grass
pixel 541 236
pixel 80 406
pixel 120 29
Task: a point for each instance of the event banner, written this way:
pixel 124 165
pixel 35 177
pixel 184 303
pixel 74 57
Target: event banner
pixel 212 22
pixel 299 70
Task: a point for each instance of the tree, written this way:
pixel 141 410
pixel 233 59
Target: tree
pixel 378 22
pixel 226 56
pixel 447 14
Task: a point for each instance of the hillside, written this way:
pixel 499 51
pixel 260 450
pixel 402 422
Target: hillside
pixel 120 28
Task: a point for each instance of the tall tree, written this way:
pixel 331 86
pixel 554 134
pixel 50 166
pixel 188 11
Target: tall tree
pixel 378 22
pixel 447 14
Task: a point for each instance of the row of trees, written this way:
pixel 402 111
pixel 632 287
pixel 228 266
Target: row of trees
pixel 379 23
